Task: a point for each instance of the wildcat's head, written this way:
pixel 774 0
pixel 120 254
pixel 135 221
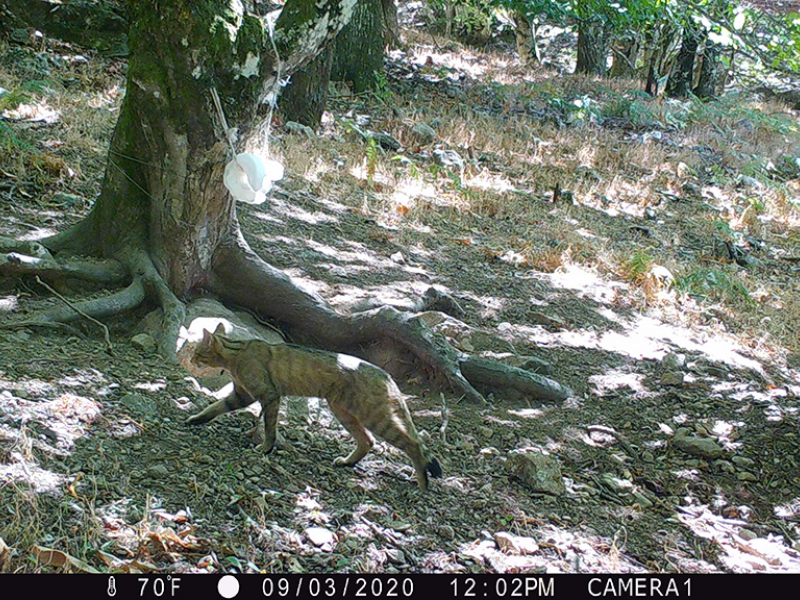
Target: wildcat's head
pixel 208 352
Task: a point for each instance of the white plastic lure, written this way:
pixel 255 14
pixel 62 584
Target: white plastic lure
pixel 249 177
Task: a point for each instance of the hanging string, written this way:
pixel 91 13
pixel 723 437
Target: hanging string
pixel 273 97
pixel 230 134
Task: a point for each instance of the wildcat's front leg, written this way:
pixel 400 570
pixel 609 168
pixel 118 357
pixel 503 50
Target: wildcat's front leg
pixel 269 411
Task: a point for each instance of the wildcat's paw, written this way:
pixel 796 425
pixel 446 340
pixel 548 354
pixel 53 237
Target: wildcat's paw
pixel 341 461
pixel 266 448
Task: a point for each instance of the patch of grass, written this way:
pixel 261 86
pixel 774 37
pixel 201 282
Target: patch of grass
pixel 636 112
pixel 713 285
pixel 635 269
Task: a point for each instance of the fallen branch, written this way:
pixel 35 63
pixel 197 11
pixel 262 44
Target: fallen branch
pixel 80 312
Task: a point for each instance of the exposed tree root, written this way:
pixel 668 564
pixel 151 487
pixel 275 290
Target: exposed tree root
pixel 38 261
pixel 72 306
pixel 33 258
pixel 494 374
pixel 103 272
pixel 97 308
pixel 174 311
pixel 241 277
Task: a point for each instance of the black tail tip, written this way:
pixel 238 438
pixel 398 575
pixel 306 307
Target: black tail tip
pixel 434 468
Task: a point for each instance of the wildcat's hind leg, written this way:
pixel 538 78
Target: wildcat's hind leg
pixel 362 437
pixel 233 401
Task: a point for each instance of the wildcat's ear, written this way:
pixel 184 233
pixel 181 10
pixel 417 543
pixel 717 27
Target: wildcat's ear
pixel 220 330
pixel 207 336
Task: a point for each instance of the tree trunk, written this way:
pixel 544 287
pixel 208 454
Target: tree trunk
pixel 711 72
pixel 359 54
pixel 165 223
pixel 626 51
pixel 525 39
pixel 304 99
pixel 682 77
pixel 391 37
pixel 592 48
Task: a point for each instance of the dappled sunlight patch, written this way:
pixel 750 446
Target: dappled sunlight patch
pixel 40 111
pixel 527 413
pixel 586 282
pixel 739 549
pixel 617 379
pixel 294 211
pixel 21 472
pixel 9 303
pixel 151 386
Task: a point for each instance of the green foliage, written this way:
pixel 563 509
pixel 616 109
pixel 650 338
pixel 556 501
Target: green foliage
pixel 713 285
pixel 381 90
pixel 373 156
pixel 636 112
pixel 637 266
pixel 472 18
pixel 23 93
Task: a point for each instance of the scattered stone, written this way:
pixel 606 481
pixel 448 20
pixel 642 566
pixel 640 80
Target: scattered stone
pixel 746 476
pixel 515 544
pixel 673 361
pixel 386 141
pixel 642 500
pixel 449 158
pixel 724 466
pixel 537 469
pixel 157 471
pixel 697 446
pixel 320 537
pixel 743 462
pixel 672 378
pixel 539 318
pixel 20 391
pixel 424 133
pixel 21 336
pixel 140 406
pixel 396 556
pixel 144 342
pixel 620 487
pixel 746 534
pixel 446 532
pixel 398 258
pixel 751 182
pixel 456 93
pixel 299 128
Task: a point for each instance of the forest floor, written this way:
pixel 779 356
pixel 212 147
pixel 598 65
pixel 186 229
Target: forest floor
pixel 647 249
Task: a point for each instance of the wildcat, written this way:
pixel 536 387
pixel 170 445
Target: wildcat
pixel 363 397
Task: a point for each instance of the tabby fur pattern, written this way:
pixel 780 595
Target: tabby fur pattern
pixel 363 397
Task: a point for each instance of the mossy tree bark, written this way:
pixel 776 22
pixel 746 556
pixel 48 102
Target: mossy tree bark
pixel 592 47
pixel 681 79
pixel 304 98
pixel 164 221
pixel 359 54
